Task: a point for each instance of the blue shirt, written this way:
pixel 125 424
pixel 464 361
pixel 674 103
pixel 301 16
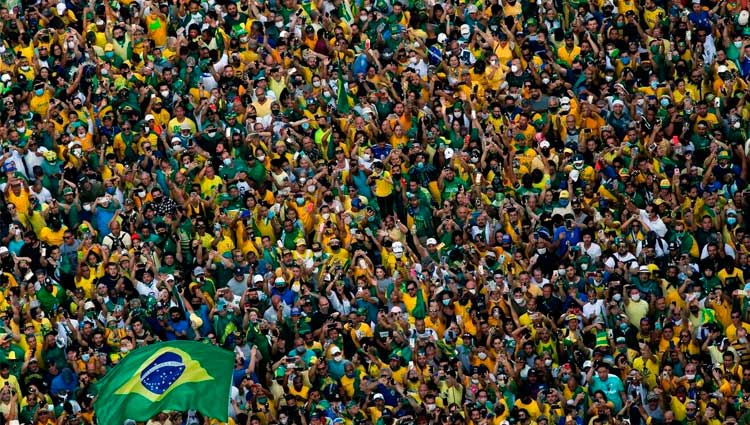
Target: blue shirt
pixel 611 388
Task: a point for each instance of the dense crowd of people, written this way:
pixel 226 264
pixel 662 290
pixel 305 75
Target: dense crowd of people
pixel 392 211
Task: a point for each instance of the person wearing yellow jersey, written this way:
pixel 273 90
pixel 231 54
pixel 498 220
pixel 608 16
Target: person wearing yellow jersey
pixel 383 183
pixel 569 51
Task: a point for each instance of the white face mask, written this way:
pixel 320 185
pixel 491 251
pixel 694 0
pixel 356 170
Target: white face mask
pixel 164 93
pixel 548 362
pixel 316 83
pixel 541 251
pixel 366 157
pixel 326 94
pixel 71 45
pixel 261 157
pixel 311 188
pixel 21 129
pixel 738 44
pixel 87 207
pixel 545 81
pixel 482 355
pixel 617 297
pixel 142 194
pixel 514 68
pixel 457 114
pixel 690 376
pixel 608 78
pixel 635 297
pixel 279 24
pixel 363 18
pixel 326 216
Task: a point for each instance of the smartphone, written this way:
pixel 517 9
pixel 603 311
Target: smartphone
pixel 367 44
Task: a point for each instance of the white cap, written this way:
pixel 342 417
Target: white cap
pixel 257 278
pixel 176 139
pixel 398 247
pixel 587 363
pixel 169 277
pixel 544 144
pixel 5 78
pixel 431 241
pixel 148 117
pixel 283 34
pixel 618 102
pixel 61 8
pixel 378 396
pixel 42 149
pixel 574 174
pixel 465 31
pixel 99 22
pixel 643 269
pixel 335 350
pixel 3 250
pixel 473 8
pixel 448 153
pixel 442 38
pixel 89 305
pixel 396 309
pixel 722 69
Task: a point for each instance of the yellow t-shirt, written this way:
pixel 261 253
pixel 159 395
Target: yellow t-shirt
pixel 383 187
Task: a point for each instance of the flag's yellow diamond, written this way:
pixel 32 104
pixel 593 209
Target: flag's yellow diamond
pixel 162 372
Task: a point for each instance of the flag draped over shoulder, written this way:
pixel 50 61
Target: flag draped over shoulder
pixel 175 375
pixel 342 99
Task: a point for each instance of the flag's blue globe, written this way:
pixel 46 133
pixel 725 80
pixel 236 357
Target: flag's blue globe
pixel 163 371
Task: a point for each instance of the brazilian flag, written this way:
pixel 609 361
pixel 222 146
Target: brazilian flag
pixel 175 375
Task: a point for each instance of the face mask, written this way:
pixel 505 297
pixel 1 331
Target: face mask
pixel 164 93
pixel 738 44
pixel 301 349
pixel 71 45
pixel 366 157
pixel 457 114
pixel 261 157
pixel 664 103
pixel 316 83
pixel 617 297
pixel 654 84
pixel 519 300
pixel 608 78
pixel 21 129
pixel 697 295
pixel 363 18
pixel 431 406
pixel 85 357
pixel 731 221
pixel 227 161
pixel 326 94
pixel 211 133
pixel 87 207
pixel 472 291
pixel 447 301
pixel 690 377
pixel 300 200
pixel 279 24
pixel 514 68
pixel 541 251
pixel 548 362
pixel 636 297
pixel 39 92
pixel 625 61
pixel 545 81
pixel 563 202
